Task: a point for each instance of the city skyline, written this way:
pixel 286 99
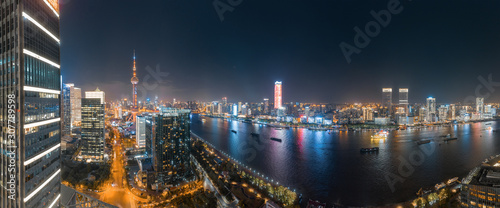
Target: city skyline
pixel 391 103
pixel 310 51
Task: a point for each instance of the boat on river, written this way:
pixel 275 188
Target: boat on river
pixel 275 139
pixel 425 141
pixel 373 149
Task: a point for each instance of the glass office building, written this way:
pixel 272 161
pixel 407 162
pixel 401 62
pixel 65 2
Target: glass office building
pixel 30 93
pixel 92 142
pixel 66 109
pixel 172 145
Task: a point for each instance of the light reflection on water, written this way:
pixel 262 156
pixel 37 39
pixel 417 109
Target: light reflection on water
pixel 330 167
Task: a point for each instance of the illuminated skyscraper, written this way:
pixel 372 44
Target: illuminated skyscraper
pixel 140 132
pixel 134 82
pixel 96 94
pixel 66 109
pixel 386 101
pixel 431 109
pixel 75 104
pixel 403 96
pixel 92 141
pixel 266 105
pixel 171 141
pixel 387 97
pixel 278 96
pixel 235 110
pixel 479 105
pixel 30 103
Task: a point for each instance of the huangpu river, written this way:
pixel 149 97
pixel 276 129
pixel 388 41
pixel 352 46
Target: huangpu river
pixel 328 166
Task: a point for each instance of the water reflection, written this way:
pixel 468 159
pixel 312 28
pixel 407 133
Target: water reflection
pixel 329 167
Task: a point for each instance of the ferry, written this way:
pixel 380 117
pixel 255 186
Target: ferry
pixel 234 131
pixel 254 134
pixel 380 135
pixel 423 141
pixel 373 149
pixel 422 191
pixel 275 139
pixel 453 180
pixel 317 129
pixel 278 128
pixel 439 186
pixel 449 139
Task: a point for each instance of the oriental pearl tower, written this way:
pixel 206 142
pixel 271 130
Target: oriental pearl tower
pixel 134 82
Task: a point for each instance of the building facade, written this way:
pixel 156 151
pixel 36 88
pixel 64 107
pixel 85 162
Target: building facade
pixel 386 101
pixel 96 94
pixel 171 141
pixel 92 141
pixel 140 132
pixel 278 95
pixel 481 187
pixel 403 96
pixel 66 109
pixel 431 109
pixel 76 105
pixel 30 105
pixel 480 106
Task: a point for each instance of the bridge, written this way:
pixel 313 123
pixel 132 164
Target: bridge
pixel 72 198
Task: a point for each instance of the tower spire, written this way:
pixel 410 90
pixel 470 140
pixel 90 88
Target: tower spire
pixel 134 81
pixel 134 64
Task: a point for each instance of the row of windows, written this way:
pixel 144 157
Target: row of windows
pixel 41 74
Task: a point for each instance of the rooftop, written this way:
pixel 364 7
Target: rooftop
pixel 487 174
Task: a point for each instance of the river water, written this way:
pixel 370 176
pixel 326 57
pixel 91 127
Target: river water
pixel 330 168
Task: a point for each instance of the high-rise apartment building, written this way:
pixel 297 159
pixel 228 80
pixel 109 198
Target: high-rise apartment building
pixel 367 114
pixel 171 145
pixel 278 96
pixel 30 105
pixel 92 141
pixel 452 113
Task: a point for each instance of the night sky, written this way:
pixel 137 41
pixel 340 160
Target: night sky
pixel 436 48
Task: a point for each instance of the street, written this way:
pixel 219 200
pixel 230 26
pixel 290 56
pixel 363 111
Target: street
pixel 116 192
